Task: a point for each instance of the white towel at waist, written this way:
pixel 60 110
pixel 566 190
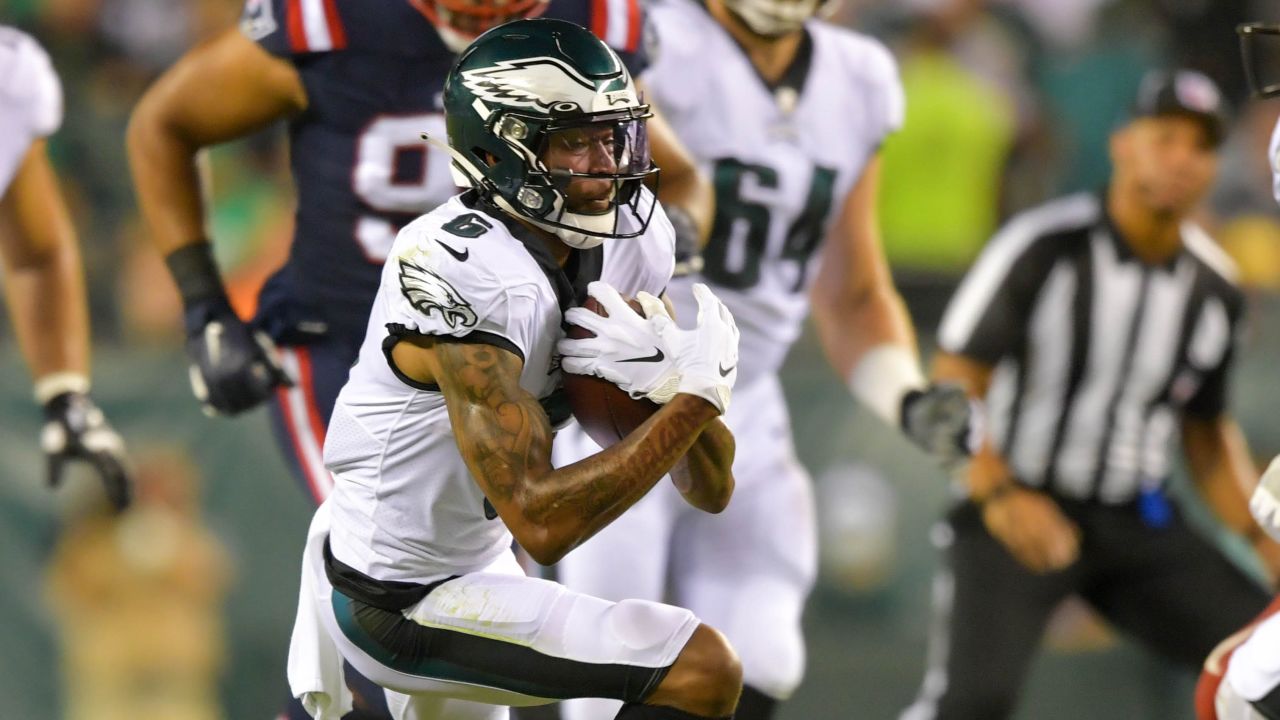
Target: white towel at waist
pixel 315 665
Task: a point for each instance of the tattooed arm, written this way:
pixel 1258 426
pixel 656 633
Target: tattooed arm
pixel 505 439
pixel 704 476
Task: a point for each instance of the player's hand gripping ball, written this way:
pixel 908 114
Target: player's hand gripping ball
pixel 644 353
pixel 616 381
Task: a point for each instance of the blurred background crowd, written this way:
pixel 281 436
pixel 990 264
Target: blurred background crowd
pixel 1010 102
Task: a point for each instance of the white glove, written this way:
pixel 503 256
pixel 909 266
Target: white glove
pixel 1265 503
pixel 627 349
pixel 651 356
pixel 706 356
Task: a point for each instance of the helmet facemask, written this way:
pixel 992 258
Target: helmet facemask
pixel 1260 48
pixel 583 173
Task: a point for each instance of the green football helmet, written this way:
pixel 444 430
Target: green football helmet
pixel 1260 49
pixel 535 89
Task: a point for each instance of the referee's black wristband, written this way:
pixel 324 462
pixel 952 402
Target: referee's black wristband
pixel 196 273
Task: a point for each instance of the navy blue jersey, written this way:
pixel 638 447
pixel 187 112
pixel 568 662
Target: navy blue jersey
pixel 374 71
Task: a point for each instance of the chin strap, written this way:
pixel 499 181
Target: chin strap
pixel 567 235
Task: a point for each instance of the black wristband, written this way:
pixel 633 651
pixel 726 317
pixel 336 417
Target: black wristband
pixel 196 273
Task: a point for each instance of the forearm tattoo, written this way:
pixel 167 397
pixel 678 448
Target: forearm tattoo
pixel 505 439
pixel 502 431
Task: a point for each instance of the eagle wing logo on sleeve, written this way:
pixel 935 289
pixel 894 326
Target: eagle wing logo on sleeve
pixel 531 83
pixel 429 292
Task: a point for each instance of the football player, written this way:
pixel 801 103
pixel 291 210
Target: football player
pixel 44 280
pixel 439 444
pixel 359 82
pixel 1241 678
pixel 788 122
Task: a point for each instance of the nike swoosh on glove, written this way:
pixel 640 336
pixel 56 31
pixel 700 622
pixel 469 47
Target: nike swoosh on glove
pixel 1265 502
pixel 233 368
pixel 75 429
pixel 627 349
pixel 707 355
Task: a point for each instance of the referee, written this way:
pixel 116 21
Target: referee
pixel 1096 327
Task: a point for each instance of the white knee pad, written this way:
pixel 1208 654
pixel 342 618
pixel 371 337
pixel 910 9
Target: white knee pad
pixel 638 630
pixel 644 627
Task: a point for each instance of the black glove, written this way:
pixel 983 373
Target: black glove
pixel 233 368
pixel 688 246
pixel 75 429
pixel 942 420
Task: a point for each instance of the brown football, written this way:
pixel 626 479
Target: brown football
pixel 604 410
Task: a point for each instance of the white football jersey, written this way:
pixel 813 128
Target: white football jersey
pixel 783 161
pixel 404 505
pixel 30 99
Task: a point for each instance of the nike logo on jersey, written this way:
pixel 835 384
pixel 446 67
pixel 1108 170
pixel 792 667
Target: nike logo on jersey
pixel 459 256
pixel 657 356
pixel 724 372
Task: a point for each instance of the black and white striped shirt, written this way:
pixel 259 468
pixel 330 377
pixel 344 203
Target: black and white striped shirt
pixel 1096 354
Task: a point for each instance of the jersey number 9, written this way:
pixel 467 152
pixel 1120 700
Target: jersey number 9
pixel 397 174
